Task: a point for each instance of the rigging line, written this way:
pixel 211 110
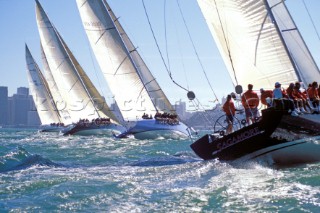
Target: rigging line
pixel 194 48
pixel 94 68
pixel 182 61
pixel 164 63
pixel 314 26
pixel 225 38
pixel 165 32
pixel 181 55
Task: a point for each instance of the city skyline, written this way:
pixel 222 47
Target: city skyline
pixel 186 70
pixel 19 109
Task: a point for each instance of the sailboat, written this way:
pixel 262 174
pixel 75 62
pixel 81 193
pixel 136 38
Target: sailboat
pixel 134 87
pixel 87 108
pixel 47 110
pixel 260 44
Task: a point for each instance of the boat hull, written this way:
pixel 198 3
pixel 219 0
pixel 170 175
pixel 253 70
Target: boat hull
pixel 152 129
pixel 49 128
pixel 292 153
pixel 93 129
pixel 274 137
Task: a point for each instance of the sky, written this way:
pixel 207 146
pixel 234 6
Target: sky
pixel 18 27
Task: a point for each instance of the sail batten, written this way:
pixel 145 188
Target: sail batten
pixel 258 44
pixel 127 75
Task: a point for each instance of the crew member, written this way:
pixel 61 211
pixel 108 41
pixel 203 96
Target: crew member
pixel 250 102
pixel 266 97
pixel 230 110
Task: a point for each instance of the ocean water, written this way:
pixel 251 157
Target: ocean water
pixel 50 173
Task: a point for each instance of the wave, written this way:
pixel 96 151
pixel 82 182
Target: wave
pixel 179 158
pixel 21 159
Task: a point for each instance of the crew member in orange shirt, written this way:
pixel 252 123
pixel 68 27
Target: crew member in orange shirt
pixel 250 102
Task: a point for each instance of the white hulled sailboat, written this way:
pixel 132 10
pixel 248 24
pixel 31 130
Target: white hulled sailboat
pixel 82 100
pixel 135 89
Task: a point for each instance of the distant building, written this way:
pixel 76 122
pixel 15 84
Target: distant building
pixel 21 109
pixel 180 108
pixel 33 118
pixel 3 105
pixel 23 91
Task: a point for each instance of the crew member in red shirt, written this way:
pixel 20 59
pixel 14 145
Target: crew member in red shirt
pixel 266 94
pixel 313 95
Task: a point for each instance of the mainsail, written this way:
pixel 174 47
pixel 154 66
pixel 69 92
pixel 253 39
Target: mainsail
pixel 46 108
pixel 259 42
pixel 52 87
pixel 81 97
pixel 134 87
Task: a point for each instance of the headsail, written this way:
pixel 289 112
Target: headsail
pixel 128 77
pixel 251 43
pixel 78 92
pixel 47 111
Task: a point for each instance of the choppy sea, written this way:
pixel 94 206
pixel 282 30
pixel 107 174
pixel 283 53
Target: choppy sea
pixel 46 172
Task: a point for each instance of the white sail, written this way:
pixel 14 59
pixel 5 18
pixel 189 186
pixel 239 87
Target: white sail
pixel 135 88
pixel 47 111
pixel 251 43
pixel 52 87
pixel 305 64
pixel 81 97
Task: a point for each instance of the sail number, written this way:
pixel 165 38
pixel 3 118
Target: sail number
pixel 92 24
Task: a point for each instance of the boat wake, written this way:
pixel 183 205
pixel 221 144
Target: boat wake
pixel 21 159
